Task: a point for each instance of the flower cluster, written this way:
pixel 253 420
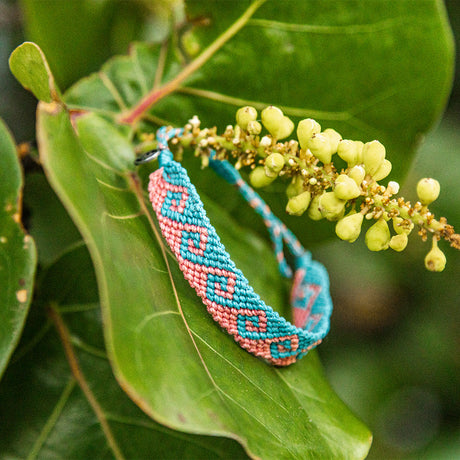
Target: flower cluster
pixel 348 194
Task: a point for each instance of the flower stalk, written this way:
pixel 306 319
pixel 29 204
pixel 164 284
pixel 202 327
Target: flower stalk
pixel 317 185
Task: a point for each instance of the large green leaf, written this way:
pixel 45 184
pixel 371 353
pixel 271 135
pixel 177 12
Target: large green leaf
pixel 368 69
pixel 345 51
pixel 17 251
pixel 165 350
pixel 49 416
pixel 78 46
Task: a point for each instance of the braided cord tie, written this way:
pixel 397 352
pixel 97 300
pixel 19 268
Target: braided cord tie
pixel 222 287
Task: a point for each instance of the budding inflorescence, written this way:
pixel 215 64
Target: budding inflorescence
pixel 347 192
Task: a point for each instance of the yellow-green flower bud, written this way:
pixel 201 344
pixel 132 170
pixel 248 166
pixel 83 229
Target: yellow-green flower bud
pixel 285 128
pixel 378 236
pixel 254 128
pixel 295 187
pixel 274 163
pixel 276 123
pixel 360 148
pixel 259 179
pixel 244 115
pixel 399 242
pixel 428 190
pixel 320 146
pixel 401 225
pixel 435 260
pixel 306 129
pixel 383 171
pixel 271 117
pixel 297 205
pixel 341 178
pixel 349 151
pixel 397 225
pixel 331 207
pixel 314 211
pixel 349 227
pixel 334 138
pixel 357 173
pixel 373 156
pixel 346 188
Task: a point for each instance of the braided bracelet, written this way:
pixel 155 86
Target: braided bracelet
pixel 222 287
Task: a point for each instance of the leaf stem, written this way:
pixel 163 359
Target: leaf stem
pixel 239 102
pixel 81 380
pixel 155 95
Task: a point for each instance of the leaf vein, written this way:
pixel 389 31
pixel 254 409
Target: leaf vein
pixel 240 372
pixel 347 29
pixel 238 102
pixel 261 422
pixel 140 74
pixel 52 420
pixel 295 391
pixel 125 217
pixel 113 90
pixel 113 187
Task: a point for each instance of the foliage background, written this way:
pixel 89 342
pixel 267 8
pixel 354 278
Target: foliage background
pixel 392 353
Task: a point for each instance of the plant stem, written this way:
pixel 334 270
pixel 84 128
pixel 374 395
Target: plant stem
pixel 81 379
pixel 155 95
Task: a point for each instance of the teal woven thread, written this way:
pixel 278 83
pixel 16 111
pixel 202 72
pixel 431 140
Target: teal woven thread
pixel 222 286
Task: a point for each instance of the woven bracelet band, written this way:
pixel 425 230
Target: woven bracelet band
pixel 222 287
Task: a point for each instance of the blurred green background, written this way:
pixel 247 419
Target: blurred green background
pixel 392 353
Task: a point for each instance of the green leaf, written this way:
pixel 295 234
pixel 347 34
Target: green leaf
pixel 166 352
pixel 40 389
pixel 95 32
pixel 48 222
pixel 379 70
pixel 29 65
pixel 17 251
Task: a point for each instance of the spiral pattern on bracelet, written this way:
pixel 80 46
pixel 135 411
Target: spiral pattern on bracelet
pixel 223 288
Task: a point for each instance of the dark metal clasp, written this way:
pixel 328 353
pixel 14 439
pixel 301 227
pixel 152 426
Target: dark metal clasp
pixel 147 156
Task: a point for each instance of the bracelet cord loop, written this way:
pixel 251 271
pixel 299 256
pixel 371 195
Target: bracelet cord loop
pixel 222 287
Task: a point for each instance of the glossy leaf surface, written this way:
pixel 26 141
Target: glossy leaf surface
pixel 371 71
pixel 165 350
pixel 95 32
pixel 39 387
pixel 17 251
